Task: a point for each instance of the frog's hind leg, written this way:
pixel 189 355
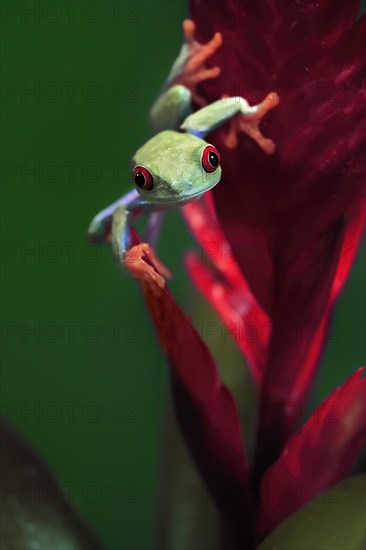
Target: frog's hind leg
pixel 190 68
pixel 170 109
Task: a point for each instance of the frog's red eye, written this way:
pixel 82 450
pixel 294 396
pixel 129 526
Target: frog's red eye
pixel 143 178
pixel 210 158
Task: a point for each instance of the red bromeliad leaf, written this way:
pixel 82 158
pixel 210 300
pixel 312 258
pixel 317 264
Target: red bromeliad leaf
pixel 299 207
pixel 206 411
pixel 317 456
pixel 226 289
pixel 356 224
pixel 248 330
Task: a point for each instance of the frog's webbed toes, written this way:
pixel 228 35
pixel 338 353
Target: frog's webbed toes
pixel 141 270
pixel 248 122
pixel 150 253
pixel 239 124
pixel 206 74
pixel 195 69
pixel 189 28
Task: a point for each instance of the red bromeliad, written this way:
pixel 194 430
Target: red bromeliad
pixel 279 234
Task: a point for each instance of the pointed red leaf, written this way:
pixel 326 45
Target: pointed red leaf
pixel 317 456
pixel 295 208
pixel 302 382
pixel 206 410
pixel 225 288
pixel 249 330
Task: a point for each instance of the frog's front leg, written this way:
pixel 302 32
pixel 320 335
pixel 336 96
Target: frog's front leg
pixel 136 258
pixel 249 122
pixel 100 228
pixel 243 118
pixel 180 90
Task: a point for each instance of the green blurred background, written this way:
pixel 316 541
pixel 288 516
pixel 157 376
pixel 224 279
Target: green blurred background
pixel 91 371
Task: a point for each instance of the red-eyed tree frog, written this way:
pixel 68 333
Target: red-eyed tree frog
pixel 177 165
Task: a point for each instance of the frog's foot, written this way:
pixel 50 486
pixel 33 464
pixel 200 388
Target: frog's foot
pixel 195 70
pixel 248 123
pixel 139 269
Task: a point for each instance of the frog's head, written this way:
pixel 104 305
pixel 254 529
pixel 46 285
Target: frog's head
pixel 175 168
